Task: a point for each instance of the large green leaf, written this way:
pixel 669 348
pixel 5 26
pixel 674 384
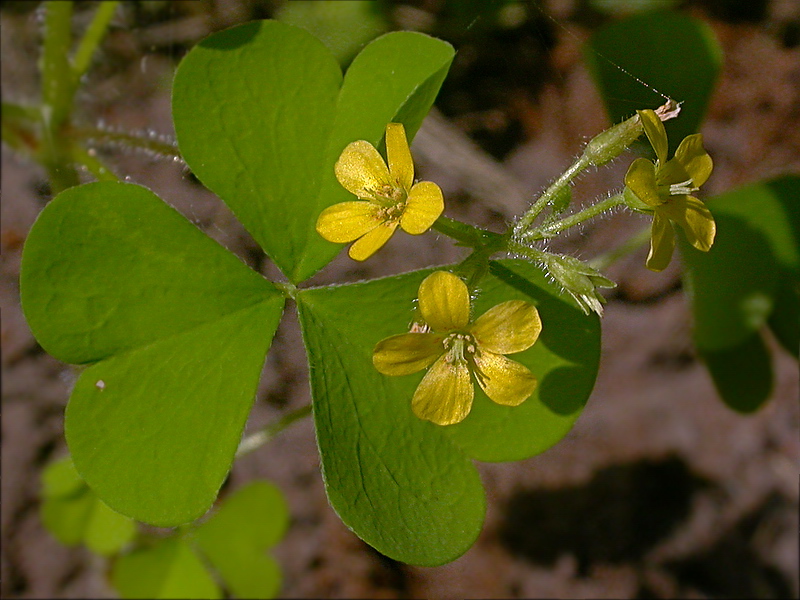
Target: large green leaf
pixel 742 373
pixel 253 108
pixel 676 54
pixel 748 279
pixel 169 569
pixel 734 286
pixel 108 267
pixel 235 538
pixel 181 328
pixel 404 485
pixel 261 120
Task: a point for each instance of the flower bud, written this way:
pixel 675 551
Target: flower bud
pixel 612 142
pixel 579 280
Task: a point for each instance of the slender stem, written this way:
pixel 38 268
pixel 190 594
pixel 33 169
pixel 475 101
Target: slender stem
pixel 549 195
pixel 57 84
pixel 92 38
pixel 132 140
pixel 584 215
pixel 632 244
pixel 58 92
pixel 96 167
pixel 515 247
pixel 261 437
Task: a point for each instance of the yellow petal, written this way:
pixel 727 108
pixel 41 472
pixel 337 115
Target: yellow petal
pixel 662 243
pixel 641 179
pixel 424 205
pixel 694 218
pixel 348 221
pixel 361 170
pixel 654 129
pixel 445 394
pixel 372 241
pixel 407 353
pixel 505 381
pixel 694 158
pixel 401 165
pixel 509 327
pixel 444 301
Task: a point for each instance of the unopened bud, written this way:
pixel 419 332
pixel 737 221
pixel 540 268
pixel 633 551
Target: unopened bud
pixel 579 280
pixel 609 144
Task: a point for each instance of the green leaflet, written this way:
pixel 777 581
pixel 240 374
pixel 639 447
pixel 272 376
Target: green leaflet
pixel 73 514
pixel 406 486
pixel 748 279
pixel 261 120
pixel 169 569
pixel 235 538
pixel 180 327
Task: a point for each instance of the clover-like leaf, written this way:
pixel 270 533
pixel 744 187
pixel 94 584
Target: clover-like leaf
pixel 180 328
pixel 168 569
pixel 235 538
pixel 74 514
pixel 407 486
pixel 749 279
pixel 261 119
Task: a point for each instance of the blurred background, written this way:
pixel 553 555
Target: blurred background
pixel 660 491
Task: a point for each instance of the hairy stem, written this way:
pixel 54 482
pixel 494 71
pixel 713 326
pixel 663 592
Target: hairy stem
pixel 549 195
pixel 584 215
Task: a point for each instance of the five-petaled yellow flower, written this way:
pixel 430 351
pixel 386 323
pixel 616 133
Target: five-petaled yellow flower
pixel 459 350
pixel 665 188
pixel 388 196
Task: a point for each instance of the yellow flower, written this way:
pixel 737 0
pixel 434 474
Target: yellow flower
pixel 388 196
pixel 459 350
pixel 664 188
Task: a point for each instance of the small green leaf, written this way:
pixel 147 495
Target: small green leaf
pixel 742 374
pixel 234 539
pixel 111 272
pixel 74 515
pixel 749 278
pixel 107 531
pixel 785 318
pixel 670 52
pixel 60 479
pixel 413 493
pixel 170 569
pixel 734 286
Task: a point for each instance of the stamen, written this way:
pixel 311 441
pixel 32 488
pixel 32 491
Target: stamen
pixel 460 348
pixel 682 188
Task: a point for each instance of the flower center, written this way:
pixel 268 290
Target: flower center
pixel 460 348
pixel 392 201
pixel 682 188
